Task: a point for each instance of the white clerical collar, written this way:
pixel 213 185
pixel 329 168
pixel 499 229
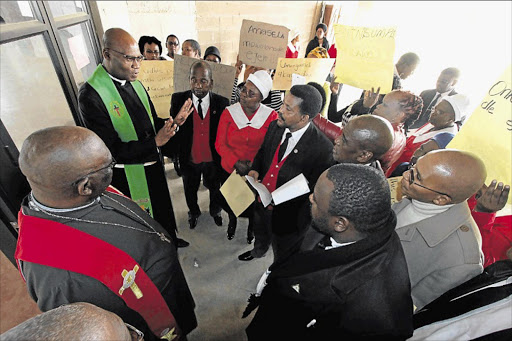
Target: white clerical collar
pixel 335 244
pixel 37 206
pixel 123 82
pixel 205 103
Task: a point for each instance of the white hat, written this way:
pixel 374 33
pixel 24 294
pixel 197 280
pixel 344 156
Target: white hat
pixel 460 105
pixel 292 34
pixel 262 80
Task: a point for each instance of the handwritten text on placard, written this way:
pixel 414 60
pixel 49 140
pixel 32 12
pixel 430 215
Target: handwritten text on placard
pixel 156 76
pixel 261 44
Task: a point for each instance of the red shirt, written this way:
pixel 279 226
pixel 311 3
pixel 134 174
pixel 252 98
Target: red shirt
pixel 201 139
pixel 496 233
pixel 387 160
pixel 235 144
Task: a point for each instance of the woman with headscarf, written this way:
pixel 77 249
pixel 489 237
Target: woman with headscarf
pixel 319 39
pixel 241 131
pixel 447 116
pixel 292 50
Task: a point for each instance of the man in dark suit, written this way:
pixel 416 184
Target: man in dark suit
pixel 340 288
pixel 292 146
pixel 195 140
pixel 445 86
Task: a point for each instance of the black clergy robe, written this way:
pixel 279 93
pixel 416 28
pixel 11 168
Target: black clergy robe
pixel 97 119
pixel 51 287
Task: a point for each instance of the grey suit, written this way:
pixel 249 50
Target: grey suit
pixel 441 252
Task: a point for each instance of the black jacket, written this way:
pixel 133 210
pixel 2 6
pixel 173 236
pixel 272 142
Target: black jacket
pixel 314 43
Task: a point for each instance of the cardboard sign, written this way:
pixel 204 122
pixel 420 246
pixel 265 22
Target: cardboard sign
pixel 488 131
pixel 312 69
pixel 223 76
pixel 365 56
pixel 395 188
pixel 261 44
pixel 156 76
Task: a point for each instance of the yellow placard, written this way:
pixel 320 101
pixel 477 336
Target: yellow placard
pixel 396 189
pixel 365 56
pixel 314 70
pixel 488 131
pixel 237 193
pixel 156 76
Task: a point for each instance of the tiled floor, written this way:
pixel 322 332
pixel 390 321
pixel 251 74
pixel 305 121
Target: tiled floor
pixel 220 283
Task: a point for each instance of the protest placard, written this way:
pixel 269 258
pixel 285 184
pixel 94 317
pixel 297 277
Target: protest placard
pixel 261 44
pixel 365 56
pixel 488 131
pixel 156 76
pixel 223 76
pixel 312 69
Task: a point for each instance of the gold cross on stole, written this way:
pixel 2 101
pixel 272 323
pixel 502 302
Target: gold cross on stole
pixel 129 282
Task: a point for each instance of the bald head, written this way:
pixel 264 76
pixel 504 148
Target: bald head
pixel 77 321
pixel 363 140
pixel 53 158
pixel 457 173
pixel 117 38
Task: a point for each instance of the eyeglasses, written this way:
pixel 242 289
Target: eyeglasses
pixel 128 58
pixel 136 334
pixel 109 166
pixel 173 44
pixel 248 93
pixel 411 181
pixel 152 52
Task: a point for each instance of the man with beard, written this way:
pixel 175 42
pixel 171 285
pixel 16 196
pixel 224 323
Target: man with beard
pixel 358 286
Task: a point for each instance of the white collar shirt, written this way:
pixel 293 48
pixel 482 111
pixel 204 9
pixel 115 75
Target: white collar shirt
pixel 294 139
pixel 205 103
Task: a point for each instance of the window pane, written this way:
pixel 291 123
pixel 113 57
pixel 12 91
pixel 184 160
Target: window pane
pixel 59 8
pixel 31 95
pixel 79 52
pixel 15 11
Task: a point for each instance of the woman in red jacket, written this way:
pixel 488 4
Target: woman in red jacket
pixel 242 128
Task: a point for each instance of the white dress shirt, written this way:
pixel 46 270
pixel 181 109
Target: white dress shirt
pixel 294 139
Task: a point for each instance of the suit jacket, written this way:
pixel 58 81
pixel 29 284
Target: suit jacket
pixel 345 289
pixel 311 156
pixel 183 139
pixel 427 96
pixel 442 251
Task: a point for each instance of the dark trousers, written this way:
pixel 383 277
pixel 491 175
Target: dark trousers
pixel 163 211
pixel 191 175
pixel 262 227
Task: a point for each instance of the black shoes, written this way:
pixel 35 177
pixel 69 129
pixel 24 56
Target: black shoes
pixel 192 220
pixel 246 256
pixel 218 220
pixel 182 243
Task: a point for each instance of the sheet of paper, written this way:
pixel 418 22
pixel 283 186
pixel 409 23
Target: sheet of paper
pixel 298 79
pixel 395 188
pixel 157 78
pixel 365 56
pixel 79 51
pixel 265 196
pixel 292 189
pixel 223 75
pixel 261 44
pixel 487 133
pixel 237 193
pixel 311 70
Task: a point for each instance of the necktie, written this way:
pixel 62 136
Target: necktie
pixel 200 108
pixel 283 146
pixel 433 103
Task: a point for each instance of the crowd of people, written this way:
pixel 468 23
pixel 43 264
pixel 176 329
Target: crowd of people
pixel 346 262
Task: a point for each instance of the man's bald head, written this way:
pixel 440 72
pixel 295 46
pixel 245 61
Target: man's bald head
pixel 364 139
pixel 77 321
pixel 53 158
pixel 117 38
pixel 457 173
